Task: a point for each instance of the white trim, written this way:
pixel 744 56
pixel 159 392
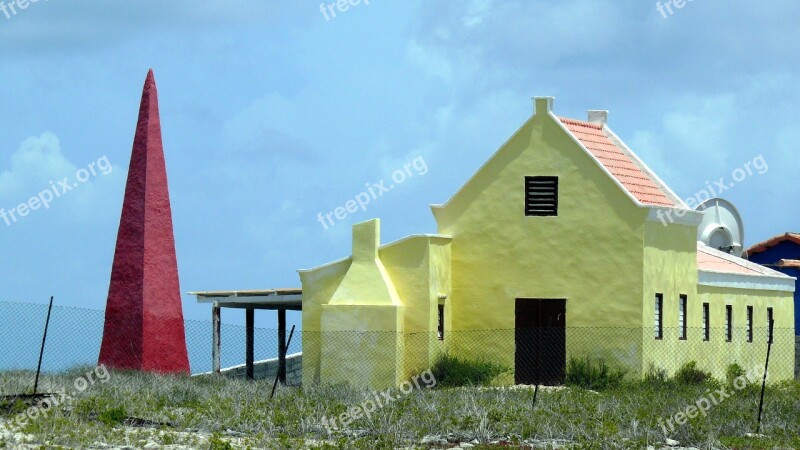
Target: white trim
pixel 742 281
pixel 690 217
pixel 620 143
pixel 597 161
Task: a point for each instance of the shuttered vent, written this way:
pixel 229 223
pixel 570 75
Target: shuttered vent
pixel 541 196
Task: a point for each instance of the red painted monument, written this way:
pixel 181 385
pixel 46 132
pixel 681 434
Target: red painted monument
pixel 144 327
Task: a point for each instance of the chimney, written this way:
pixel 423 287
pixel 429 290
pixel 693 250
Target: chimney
pixel 366 281
pixel 543 105
pixel 598 116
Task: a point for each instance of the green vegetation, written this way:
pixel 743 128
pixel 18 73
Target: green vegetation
pixel 593 374
pixel 689 374
pixel 733 372
pixel 219 413
pixel 113 416
pixel 452 371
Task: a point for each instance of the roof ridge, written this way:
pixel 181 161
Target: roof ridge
pixel 773 241
pixel 581 123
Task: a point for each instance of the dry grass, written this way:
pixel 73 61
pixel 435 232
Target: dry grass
pixel 211 412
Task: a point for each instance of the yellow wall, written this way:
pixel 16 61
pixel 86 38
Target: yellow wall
pixel 318 288
pixel 353 332
pixel 362 345
pixel 590 254
pixel 670 268
pixel 420 269
pixel 749 355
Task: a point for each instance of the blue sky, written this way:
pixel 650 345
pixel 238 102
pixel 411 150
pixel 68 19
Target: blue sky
pixel 272 114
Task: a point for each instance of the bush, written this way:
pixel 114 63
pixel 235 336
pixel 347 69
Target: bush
pixel 593 374
pixel 656 375
pixel 690 374
pixel 452 371
pixel 215 442
pixel 733 372
pixel 112 417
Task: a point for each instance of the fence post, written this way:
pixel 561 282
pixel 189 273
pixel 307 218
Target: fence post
pixel 764 381
pixel 41 351
pixel 216 363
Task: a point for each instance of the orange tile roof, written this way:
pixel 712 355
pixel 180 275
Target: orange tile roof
pixel 618 162
pixel 713 260
pixel 788 263
pixel 761 246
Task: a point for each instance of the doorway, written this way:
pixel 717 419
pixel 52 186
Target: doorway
pixel 540 341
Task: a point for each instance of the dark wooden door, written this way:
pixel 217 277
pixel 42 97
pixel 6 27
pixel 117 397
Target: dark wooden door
pixel 540 338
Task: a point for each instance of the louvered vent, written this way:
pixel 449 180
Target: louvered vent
pixel 541 196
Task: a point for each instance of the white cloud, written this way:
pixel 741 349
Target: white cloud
pixel 39 165
pixel 37 162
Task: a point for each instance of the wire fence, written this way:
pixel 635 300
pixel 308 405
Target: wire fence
pixel 544 355
pixel 75 335
pixel 526 356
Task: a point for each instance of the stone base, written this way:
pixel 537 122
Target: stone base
pixel 268 369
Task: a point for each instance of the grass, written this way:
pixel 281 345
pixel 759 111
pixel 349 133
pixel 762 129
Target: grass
pixel 453 371
pixel 219 413
pixel 594 374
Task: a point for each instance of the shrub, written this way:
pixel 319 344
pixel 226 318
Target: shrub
pixel 656 375
pixel 113 416
pixel 452 371
pixel 733 372
pixel 690 374
pixel 215 442
pixel 593 374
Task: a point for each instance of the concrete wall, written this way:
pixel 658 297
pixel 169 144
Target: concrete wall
pixel 268 369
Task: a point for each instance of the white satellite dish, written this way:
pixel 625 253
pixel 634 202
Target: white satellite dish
pixel 722 227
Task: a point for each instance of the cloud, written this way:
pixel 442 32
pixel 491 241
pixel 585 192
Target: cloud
pixel 39 165
pixel 37 162
pixel 78 25
pixel 620 46
pixel 266 128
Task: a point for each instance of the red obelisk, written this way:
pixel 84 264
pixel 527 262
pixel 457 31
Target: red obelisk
pixel 144 327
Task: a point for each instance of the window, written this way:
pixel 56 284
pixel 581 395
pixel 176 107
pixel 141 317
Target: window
pixel 706 324
pixel 749 324
pixel 441 322
pixel 682 317
pixel 728 323
pixel 541 196
pixel 769 325
pixel 659 310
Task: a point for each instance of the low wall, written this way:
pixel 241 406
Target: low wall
pixel 268 369
pixel 797 358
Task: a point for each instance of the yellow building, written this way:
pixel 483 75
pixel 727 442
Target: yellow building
pixel 564 244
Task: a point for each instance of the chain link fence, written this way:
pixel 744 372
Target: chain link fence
pixel 74 337
pixel 544 355
pixel 528 356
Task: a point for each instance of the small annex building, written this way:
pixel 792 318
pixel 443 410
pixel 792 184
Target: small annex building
pixel 563 244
